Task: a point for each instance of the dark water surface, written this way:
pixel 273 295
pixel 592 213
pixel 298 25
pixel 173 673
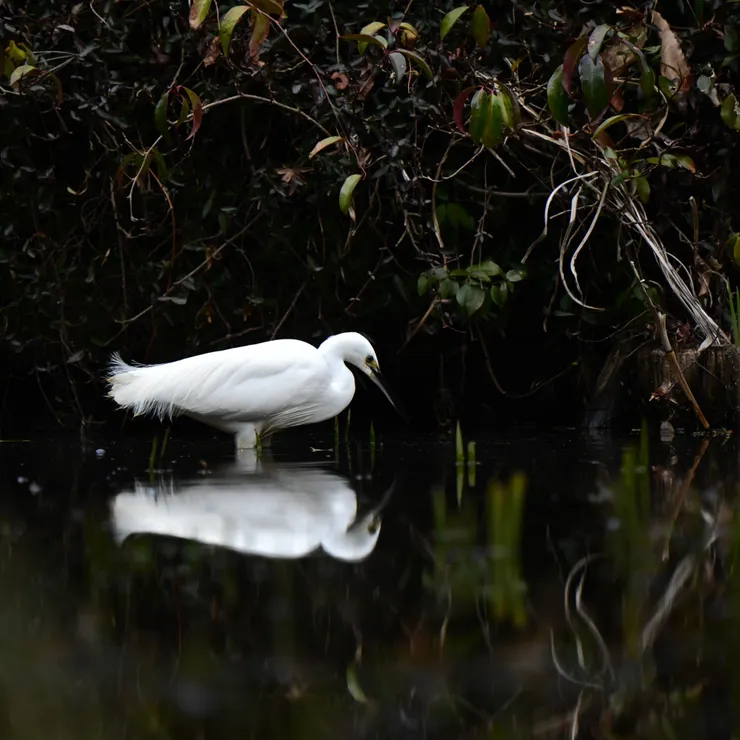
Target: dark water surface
pixel 391 593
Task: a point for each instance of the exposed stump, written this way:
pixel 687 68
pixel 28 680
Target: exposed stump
pixel 713 377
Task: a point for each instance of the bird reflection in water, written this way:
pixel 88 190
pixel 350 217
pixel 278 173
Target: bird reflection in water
pixel 255 506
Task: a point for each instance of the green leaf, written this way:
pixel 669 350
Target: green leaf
pixel 730 113
pixel 423 284
pixel 480 25
pixel 419 59
pixel 733 247
pixel 450 19
pixel 647 81
pixel 470 298
pixel 448 288
pixel 372 28
pixel 18 52
pixel 369 30
pixel 198 12
pixel 732 39
pixel 269 6
pixel 509 107
pixel 398 62
pixel 260 31
pixel 647 76
pixel 345 194
pixel 374 40
pixel 671 161
pixel 197 105
pixel 683 160
pixel 642 186
pixel 499 294
pixel 353 685
pixel 478 115
pixel 491 136
pixel 666 160
pixel 612 120
pixel 325 143
pixel 21 71
pixel 667 87
pixel 596 40
pixel 593 84
pixel 160 113
pixel 515 276
pixel 228 22
pixel 478 275
pixel 557 98
pixel 160 164
pixel 489 267
pixel 456 214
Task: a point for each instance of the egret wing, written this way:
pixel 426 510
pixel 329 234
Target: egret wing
pixel 241 384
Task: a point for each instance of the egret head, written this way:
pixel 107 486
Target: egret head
pixel 357 351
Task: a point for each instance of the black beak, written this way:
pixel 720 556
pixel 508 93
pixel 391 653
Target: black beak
pixel 378 379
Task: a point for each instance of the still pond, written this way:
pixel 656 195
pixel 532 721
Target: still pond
pixel 560 585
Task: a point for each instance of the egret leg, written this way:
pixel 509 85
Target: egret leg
pixel 247 438
pixel 262 440
pixel 265 439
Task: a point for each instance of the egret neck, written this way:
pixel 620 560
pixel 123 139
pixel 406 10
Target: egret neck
pixel 336 353
pixel 353 348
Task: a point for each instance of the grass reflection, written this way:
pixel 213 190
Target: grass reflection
pixel 451 628
pixel 481 569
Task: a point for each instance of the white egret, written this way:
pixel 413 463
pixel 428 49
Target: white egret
pixel 282 511
pixel 251 391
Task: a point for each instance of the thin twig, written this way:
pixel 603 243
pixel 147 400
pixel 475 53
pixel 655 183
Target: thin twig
pixel 435 220
pixel 681 497
pixel 526 394
pixel 588 233
pixel 547 210
pixel 336 30
pixel 456 172
pixel 606 659
pixel 290 308
pixel 195 270
pixel 144 160
pixel 671 355
pixel 422 321
pixel 269 101
pixel 174 228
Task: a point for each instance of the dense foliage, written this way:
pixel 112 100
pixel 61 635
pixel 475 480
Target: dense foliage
pixel 185 181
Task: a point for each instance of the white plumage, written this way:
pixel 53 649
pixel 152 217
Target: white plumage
pixel 250 391
pixel 283 511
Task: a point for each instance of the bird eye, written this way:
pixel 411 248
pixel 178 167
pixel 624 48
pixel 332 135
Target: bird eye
pixel 369 360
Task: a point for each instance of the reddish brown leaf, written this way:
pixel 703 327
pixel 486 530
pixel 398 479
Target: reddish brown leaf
pixel 198 12
pixel 608 80
pixel 673 64
pixel 572 55
pixel 617 101
pixel 260 29
pixel 197 107
pixel 341 80
pixel 459 106
pixel 269 6
pixel 604 140
pixel 367 82
pixel 212 52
